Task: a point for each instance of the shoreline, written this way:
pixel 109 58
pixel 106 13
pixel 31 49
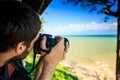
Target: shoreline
pixel 91 71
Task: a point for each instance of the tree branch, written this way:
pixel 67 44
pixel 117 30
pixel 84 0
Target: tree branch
pixel 109 12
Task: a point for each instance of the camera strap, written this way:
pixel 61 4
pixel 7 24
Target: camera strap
pixel 46 51
pixel 40 59
pixel 35 66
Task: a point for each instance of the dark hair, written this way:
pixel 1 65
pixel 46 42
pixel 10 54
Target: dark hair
pixel 18 23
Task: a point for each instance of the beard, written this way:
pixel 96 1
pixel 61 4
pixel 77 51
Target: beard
pixel 18 57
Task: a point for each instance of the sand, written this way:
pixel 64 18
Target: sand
pixel 85 71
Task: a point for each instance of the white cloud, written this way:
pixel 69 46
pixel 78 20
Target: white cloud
pixel 78 28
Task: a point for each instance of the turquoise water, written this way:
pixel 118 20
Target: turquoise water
pixel 91 49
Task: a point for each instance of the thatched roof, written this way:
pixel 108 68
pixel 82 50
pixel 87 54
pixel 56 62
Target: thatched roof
pixel 37 5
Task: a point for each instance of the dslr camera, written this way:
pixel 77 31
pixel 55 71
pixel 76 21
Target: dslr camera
pixel 50 42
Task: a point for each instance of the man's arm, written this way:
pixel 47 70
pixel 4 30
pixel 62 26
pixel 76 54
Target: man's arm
pixel 44 72
pixel 38 71
pixel 47 72
pixel 51 60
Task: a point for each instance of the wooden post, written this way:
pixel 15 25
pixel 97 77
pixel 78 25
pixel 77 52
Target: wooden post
pixel 118 44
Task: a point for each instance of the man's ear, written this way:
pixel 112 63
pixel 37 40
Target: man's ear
pixel 20 47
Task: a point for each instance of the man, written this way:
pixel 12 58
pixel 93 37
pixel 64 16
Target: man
pixel 19 30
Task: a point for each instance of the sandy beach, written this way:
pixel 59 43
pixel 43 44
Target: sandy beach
pixel 97 71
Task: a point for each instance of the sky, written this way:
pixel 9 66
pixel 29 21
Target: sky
pixel 66 19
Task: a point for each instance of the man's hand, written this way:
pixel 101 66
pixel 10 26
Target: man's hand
pixel 52 59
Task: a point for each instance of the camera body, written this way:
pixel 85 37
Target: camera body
pixel 50 42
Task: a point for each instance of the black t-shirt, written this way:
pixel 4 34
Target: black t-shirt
pixel 17 74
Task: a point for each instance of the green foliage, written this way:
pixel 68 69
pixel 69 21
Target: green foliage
pixel 43 21
pixel 60 73
pixel 28 68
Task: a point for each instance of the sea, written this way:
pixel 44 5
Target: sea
pixel 93 50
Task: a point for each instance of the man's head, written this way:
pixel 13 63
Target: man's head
pixel 19 24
